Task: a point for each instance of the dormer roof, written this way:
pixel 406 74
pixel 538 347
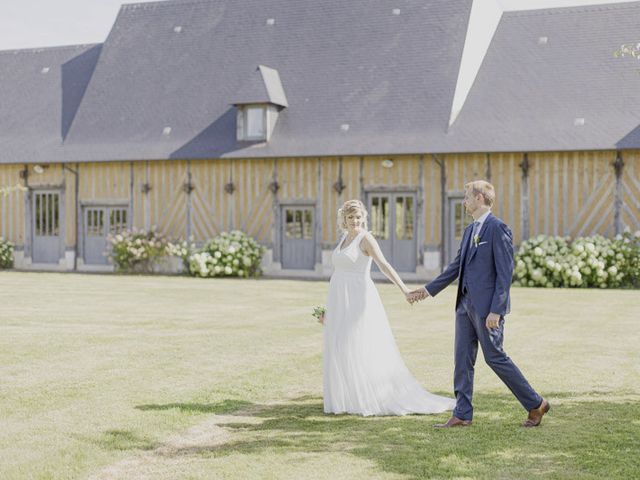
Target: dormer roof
pixel 262 86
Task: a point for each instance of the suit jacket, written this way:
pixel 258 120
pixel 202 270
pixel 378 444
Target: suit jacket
pixel 486 270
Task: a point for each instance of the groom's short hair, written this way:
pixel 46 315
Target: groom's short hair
pixel 484 188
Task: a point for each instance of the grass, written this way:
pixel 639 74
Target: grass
pixel 109 377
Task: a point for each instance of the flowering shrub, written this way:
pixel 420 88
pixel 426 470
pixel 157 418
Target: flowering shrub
pixel 136 250
pixel 545 261
pixel 6 253
pixel 181 249
pixel 233 254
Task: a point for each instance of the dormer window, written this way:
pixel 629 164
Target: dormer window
pixel 259 103
pixel 256 122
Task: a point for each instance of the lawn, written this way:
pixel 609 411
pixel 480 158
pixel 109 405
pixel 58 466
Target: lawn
pixel 138 377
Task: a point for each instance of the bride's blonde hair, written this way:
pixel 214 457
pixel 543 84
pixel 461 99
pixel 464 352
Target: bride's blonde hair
pixel 349 207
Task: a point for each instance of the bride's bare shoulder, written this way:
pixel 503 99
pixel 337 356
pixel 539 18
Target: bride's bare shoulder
pixel 368 242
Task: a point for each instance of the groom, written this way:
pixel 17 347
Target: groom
pixel 483 267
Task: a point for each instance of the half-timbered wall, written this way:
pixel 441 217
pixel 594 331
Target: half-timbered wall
pixel 12 205
pixel 559 193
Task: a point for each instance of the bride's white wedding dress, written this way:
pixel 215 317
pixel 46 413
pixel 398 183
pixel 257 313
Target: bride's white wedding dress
pixel 364 373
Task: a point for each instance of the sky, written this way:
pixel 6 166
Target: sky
pixel 43 23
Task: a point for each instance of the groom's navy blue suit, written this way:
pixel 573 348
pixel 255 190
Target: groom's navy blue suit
pixel 484 270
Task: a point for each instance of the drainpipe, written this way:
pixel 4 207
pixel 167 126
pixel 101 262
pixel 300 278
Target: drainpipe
pixel 443 208
pixel 618 166
pixel 76 216
pixel 524 201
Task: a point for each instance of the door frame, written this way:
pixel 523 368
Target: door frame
pixel 30 220
pixel 449 255
pixel 417 208
pixel 108 204
pixel 299 203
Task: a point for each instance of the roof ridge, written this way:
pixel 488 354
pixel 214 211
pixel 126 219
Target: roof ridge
pixel 15 51
pixel 575 8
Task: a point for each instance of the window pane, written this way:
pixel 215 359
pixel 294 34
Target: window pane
pixel 459 220
pixel 293 227
pixel 255 123
pixel 46 223
pixel 95 223
pixel 307 232
pixel 404 218
pixel 55 220
pixel 38 215
pixel 380 217
pixel 400 218
pixel 117 221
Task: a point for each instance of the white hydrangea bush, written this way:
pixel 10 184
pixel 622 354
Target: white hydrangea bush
pixel 182 249
pixel 6 254
pixel 596 261
pixel 230 254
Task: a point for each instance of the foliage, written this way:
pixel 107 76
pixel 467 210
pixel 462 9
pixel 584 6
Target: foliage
pixel 181 249
pixel 546 261
pixel 232 254
pixel 136 250
pixel 6 253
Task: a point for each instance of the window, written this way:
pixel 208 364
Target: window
pixel 379 217
pixel 299 223
pixel 255 121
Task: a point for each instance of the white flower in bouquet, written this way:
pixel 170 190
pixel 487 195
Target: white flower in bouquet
pixel 538 251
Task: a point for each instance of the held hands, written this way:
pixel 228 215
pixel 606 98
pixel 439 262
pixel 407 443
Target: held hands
pixel 416 295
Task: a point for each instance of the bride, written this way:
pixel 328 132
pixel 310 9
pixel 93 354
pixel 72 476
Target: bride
pixel 364 373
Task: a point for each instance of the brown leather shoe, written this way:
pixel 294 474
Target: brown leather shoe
pixel 535 415
pixel 454 422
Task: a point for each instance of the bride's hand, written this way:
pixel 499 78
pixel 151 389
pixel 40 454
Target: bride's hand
pixel 321 319
pixel 408 296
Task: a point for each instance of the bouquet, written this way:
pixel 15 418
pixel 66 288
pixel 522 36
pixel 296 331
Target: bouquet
pixel 319 312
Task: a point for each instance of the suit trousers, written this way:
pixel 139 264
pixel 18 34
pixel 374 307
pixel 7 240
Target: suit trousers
pixel 471 330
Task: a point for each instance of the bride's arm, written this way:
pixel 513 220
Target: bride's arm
pixel 370 247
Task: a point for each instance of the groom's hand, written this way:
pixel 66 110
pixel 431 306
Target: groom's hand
pixel 417 295
pixel 493 320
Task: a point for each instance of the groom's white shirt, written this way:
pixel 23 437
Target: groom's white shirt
pixel 481 220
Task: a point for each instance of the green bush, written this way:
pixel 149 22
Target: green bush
pixel 6 253
pixel 136 250
pixel 233 254
pixel 596 261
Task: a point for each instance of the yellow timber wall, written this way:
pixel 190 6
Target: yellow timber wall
pixel 566 193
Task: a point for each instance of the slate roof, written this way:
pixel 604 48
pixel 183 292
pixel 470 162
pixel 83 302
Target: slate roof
pixel 40 91
pixel 360 77
pixel 550 82
pixel 389 77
